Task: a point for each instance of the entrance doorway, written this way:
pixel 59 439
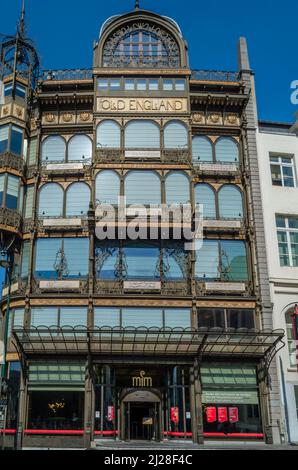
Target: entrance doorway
pixel 141 416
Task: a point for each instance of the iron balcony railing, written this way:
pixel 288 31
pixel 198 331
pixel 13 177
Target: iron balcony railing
pixel 68 74
pixel 215 75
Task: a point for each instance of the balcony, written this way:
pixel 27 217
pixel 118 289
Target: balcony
pixel 9 161
pixel 141 155
pixel 10 220
pixel 66 75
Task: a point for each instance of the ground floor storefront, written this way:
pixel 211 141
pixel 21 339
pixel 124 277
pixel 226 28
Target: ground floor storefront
pixel 69 403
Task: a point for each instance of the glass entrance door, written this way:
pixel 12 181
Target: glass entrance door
pixel 142 421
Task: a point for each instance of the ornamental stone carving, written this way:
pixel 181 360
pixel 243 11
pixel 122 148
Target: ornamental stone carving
pixel 197 117
pixel 214 118
pixel 49 117
pixel 67 117
pixel 232 119
pixel 85 116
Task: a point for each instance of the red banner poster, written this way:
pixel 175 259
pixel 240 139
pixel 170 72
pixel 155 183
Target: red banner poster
pixel 222 414
pixel 211 414
pixel 111 413
pixel 233 415
pixel 175 414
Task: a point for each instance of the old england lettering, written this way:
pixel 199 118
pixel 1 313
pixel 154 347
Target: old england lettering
pixel 178 105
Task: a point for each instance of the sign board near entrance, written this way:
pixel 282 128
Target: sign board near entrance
pixel 142 381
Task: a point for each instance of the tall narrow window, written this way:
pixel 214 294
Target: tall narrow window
pixel 287 234
pixel 12 194
pixel 175 135
pixel 51 200
pixel 230 202
pixel 290 337
pixel 80 148
pixel 233 260
pixel 25 259
pixel 201 150
pixel 142 187
pixel 16 143
pixel 29 202
pixel 107 184
pixel 142 134
pixel 226 150
pixel 177 188
pixel 77 199
pixel 32 152
pixel 205 196
pixel 2 182
pixel 108 135
pixel 4 132
pixel 53 149
pixel 207 260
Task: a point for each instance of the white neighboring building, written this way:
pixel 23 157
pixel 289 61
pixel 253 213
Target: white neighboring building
pixel 278 164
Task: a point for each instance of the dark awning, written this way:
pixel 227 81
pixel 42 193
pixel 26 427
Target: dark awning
pixel 147 341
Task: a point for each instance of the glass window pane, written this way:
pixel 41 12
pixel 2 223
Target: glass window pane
pixel 106 258
pixel 168 85
pixel 175 135
pixel 80 148
pixel 276 175
pixel 142 134
pixel 51 200
pixel 211 318
pixel 142 261
pixel 102 84
pixel 108 135
pixel 129 84
pixel 53 149
pixel 147 317
pixel 287 160
pixel 207 260
pixel 16 143
pixel 180 85
pixel 48 258
pixel 234 260
pixel 230 202
pixel 29 202
pixel 3 138
pixel 8 89
pixel 201 150
pixel 73 316
pixel 107 185
pixel 226 150
pixel 142 187
pixel 12 192
pixel 205 196
pixel 77 199
pixel 240 318
pixel 77 265
pixel 177 188
pixel 153 85
pixel 141 85
pixel 32 152
pixel 115 84
pixel 106 316
pixel 2 182
pixel 280 221
pixel 177 318
pixel 44 316
pixel 20 91
pixel 25 259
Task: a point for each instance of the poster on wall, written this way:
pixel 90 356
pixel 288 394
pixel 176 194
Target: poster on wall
pixel 222 413
pixel 111 413
pixel 233 415
pixel 211 414
pixel 175 414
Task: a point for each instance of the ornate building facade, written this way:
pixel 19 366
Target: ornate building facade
pixel 133 338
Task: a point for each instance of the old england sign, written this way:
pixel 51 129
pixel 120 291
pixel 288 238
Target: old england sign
pixel 141 105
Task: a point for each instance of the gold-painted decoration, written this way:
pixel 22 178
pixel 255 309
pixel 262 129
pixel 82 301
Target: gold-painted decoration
pixel 197 117
pixel 5 110
pixel 142 381
pixel 214 118
pixel 67 117
pixel 232 118
pixel 49 117
pixel 84 116
pixel 19 112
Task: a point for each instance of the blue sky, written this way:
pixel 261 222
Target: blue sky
pixel 64 30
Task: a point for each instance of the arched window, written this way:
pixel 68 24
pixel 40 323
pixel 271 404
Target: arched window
pixel 142 134
pixel 107 187
pixel 142 260
pixel 201 150
pixel 53 149
pixel 175 135
pixel 77 199
pixel 108 135
pixel 290 338
pixel 226 150
pixel 177 188
pixel 146 46
pixel 205 196
pixel 230 202
pixel 79 148
pixel 142 187
pixel 51 200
